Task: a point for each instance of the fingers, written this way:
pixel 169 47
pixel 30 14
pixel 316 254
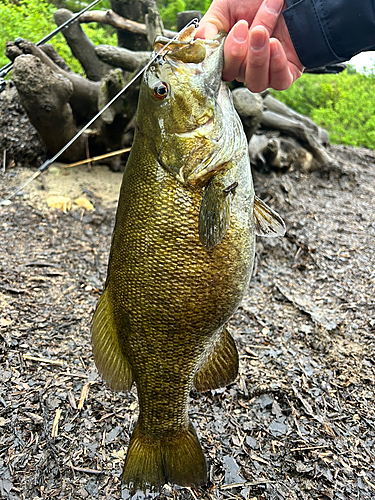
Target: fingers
pixel 268 15
pixel 235 50
pixel 267 64
pixel 280 77
pixel 207 30
pixel 216 18
pixel 258 60
pixel 257 75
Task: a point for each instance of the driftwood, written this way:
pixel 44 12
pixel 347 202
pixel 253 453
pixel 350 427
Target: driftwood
pixel 279 153
pixel 154 24
pixel 250 108
pixel 59 101
pixel 122 58
pixel 294 128
pixel 81 46
pixel 120 23
pixel 85 92
pixel 283 137
pixel 46 101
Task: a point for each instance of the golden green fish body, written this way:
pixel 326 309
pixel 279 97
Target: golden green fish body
pixel 172 294
pixel 181 258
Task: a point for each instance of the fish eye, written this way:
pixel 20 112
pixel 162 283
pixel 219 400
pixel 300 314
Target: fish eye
pixel 161 91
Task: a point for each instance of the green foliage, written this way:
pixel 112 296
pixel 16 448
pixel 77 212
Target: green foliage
pixel 33 19
pixel 169 9
pixel 344 104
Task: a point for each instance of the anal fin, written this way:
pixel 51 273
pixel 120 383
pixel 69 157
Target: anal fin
pixel 109 358
pixel 221 367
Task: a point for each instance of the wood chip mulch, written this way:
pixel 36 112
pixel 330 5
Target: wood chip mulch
pixel 299 422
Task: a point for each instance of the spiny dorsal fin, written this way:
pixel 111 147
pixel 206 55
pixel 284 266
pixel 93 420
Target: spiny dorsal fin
pixel 109 359
pixel 267 221
pixel 221 367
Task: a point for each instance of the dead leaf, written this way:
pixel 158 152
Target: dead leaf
pixel 5 322
pixel 84 203
pixel 63 203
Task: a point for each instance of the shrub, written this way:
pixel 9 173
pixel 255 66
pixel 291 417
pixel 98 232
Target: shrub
pixel 344 104
pixel 33 19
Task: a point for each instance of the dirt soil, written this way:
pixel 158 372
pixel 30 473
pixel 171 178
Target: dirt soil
pixel 299 422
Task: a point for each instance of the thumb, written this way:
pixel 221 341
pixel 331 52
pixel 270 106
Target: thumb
pixel 207 29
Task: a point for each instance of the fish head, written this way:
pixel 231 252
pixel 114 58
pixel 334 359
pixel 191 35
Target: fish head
pixel 182 107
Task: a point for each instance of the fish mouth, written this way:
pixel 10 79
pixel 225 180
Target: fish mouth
pixel 188 49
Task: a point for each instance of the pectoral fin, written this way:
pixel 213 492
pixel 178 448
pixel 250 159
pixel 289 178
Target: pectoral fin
pixel 221 367
pixel 267 221
pixel 214 215
pixel 109 358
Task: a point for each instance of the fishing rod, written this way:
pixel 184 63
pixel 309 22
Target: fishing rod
pixel 5 69
pixel 47 163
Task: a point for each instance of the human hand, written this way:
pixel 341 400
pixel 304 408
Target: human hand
pixel 263 55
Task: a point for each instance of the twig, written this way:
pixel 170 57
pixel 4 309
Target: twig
pixel 259 459
pixel 4 160
pixel 246 483
pixel 97 158
pixel 368 482
pixel 73 375
pixel 305 448
pixel 84 393
pixel 88 471
pixel 43 360
pixel 55 425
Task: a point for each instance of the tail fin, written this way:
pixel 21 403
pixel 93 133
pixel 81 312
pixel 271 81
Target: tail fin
pixel 150 463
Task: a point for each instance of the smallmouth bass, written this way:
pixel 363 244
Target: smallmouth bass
pixel 181 258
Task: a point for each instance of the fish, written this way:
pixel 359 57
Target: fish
pixel 181 258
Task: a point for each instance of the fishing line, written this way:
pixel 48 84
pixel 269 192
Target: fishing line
pixel 47 163
pixel 5 69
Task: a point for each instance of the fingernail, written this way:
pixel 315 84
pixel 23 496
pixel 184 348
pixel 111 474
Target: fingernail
pixel 257 39
pixel 274 6
pixel 240 32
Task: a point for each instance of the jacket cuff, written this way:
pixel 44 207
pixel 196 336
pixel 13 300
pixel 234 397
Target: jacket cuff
pixel 306 29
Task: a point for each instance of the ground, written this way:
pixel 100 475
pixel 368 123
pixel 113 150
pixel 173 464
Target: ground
pixel 298 423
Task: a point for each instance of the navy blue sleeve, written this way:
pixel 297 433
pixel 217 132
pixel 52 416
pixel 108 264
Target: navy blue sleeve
pixel 329 31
